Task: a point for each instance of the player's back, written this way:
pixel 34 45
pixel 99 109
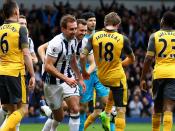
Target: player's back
pixel 107 47
pixel 11 56
pixel 165 54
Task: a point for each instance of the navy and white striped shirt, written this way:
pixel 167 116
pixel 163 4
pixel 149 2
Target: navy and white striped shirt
pixel 81 45
pixel 62 50
pixel 31 45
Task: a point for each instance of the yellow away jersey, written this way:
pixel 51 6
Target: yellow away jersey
pixel 11 56
pixel 165 54
pixel 107 48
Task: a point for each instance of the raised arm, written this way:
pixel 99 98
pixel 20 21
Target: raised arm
pixel 42 51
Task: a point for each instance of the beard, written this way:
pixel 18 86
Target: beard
pixel 91 28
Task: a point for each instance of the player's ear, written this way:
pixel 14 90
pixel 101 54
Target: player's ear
pixel 62 29
pixel 117 26
pixel 16 12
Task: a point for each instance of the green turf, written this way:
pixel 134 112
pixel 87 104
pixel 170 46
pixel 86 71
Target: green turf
pixel 94 127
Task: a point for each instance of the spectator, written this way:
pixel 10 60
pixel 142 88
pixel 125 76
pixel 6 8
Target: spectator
pixel 135 107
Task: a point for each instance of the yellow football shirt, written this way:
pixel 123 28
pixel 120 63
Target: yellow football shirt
pixel 107 48
pixel 162 46
pixel 11 55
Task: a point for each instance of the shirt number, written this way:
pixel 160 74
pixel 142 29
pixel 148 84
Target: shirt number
pixel 108 54
pixel 4 44
pixel 161 53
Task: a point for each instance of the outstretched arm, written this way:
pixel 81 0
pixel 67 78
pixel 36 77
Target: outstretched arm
pixel 92 66
pixel 27 57
pixel 74 67
pixel 83 58
pixel 147 62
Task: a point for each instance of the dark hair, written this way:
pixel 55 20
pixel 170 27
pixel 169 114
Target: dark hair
pixel 65 19
pixel 87 15
pixel 81 21
pixel 8 8
pixel 168 19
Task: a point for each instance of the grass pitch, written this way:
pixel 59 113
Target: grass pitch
pixel 93 127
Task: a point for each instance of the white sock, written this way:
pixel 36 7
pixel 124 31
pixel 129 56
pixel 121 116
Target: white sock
pixel 47 110
pixel 74 123
pixel 47 125
pixel 17 127
pixel 2 116
pixel 54 125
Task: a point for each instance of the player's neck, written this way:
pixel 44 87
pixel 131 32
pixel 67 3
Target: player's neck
pixel 13 18
pixel 166 28
pixel 67 38
pixel 89 32
pixel 79 40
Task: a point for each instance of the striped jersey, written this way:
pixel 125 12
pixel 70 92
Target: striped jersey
pixel 62 50
pixel 82 44
pixel 31 45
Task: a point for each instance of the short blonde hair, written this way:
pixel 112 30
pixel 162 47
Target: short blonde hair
pixel 112 19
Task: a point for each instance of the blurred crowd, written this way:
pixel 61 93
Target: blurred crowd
pixel 137 24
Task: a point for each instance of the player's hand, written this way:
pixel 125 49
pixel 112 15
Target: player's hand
pixel 85 75
pixel 143 85
pixel 32 83
pixel 81 82
pixel 71 82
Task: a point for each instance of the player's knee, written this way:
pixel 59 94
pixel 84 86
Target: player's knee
pixel 168 107
pixel 64 105
pixel 75 109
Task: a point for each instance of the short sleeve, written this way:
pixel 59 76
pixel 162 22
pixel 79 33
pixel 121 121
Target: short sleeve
pixel 23 39
pixel 31 45
pixel 88 47
pixel 54 47
pixel 127 46
pixel 151 46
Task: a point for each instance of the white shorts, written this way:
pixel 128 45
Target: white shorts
pixel 55 94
